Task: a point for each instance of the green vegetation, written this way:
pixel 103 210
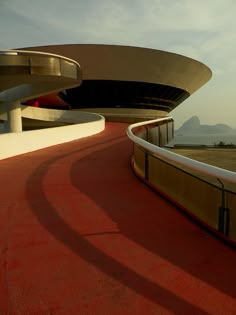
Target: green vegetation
pixel 222 144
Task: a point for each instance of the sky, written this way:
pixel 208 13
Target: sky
pixel 204 30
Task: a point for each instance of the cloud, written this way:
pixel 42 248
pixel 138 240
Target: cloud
pixel 203 29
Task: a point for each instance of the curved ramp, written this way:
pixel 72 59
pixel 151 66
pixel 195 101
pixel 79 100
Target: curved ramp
pixel 32 74
pixel 26 75
pixel 80 234
pixel 59 115
pixel 36 118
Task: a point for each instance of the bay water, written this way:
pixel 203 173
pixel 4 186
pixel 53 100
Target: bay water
pixel 207 139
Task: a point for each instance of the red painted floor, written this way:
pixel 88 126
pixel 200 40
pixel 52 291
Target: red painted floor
pixel 80 234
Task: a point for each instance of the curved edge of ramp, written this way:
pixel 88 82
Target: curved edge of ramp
pixel 25 75
pixel 13 144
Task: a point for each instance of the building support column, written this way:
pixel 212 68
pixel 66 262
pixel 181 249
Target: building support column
pixel 14 120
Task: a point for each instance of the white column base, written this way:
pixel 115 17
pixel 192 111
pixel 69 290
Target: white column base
pixel 14 120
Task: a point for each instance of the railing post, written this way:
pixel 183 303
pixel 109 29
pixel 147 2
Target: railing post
pixel 167 132
pixel 173 129
pixel 147 134
pixel 159 136
pixel 224 213
pixel 146 166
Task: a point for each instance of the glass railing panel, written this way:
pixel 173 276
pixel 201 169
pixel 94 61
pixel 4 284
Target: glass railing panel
pixel 206 192
pixel 195 195
pixel 139 161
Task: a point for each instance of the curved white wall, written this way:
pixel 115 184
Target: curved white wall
pixel 58 115
pixel 13 144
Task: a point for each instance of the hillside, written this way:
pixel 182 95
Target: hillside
pixel 193 126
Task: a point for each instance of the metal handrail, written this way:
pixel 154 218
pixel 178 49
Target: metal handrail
pixel 207 169
pixel 18 52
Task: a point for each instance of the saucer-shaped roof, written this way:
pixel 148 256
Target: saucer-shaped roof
pixel 125 63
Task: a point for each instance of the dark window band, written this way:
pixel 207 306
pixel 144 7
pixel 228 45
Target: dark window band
pixel 124 94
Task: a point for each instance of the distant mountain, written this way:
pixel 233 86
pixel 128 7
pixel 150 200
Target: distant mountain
pixel 190 125
pixel 193 126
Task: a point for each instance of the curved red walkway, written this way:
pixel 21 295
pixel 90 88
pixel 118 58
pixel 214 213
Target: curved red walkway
pixel 80 234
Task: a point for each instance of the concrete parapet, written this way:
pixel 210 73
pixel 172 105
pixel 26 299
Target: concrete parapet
pixel 13 144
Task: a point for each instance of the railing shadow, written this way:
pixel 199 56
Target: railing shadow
pixel 150 221
pixel 50 219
